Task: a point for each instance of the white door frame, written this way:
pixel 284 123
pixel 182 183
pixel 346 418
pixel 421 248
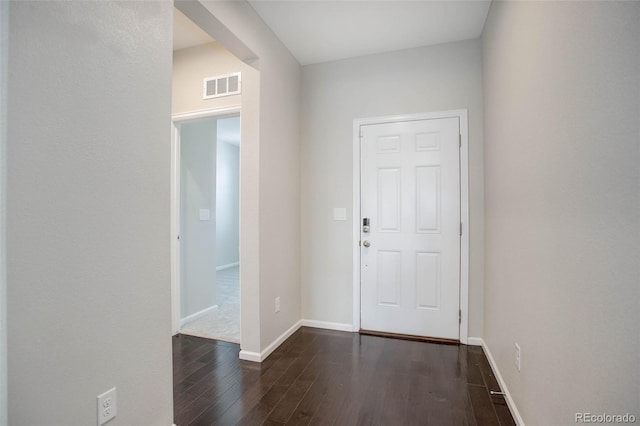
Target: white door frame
pixel 177 119
pixel 461 114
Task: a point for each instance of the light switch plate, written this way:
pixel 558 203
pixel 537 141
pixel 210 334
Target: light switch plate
pixel 339 213
pixel 205 214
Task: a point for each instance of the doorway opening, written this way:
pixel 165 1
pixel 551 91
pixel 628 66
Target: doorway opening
pixel 206 176
pixel 207 258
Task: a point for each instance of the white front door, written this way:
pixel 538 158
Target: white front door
pixel 410 196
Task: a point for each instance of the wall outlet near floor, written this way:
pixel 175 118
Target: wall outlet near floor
pixel 106 406
pixel 278 304
pixel 517 356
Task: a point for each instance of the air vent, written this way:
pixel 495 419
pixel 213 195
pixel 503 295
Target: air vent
pixel 222 85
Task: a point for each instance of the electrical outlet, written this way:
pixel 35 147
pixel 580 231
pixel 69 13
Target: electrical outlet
pixel 106 406
pixel 278 304
pixel 517 357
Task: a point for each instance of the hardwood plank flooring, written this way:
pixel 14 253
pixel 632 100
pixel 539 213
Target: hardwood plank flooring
pixel 323 377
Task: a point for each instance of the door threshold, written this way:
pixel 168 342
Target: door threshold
pixel 410 337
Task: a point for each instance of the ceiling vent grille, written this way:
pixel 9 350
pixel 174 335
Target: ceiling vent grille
pixel 222 85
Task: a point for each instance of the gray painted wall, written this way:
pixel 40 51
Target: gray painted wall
pixel 88 286
pixel 435 78
pixel 227 204
pixel 562 128
pixel 198 142
pixel 4 42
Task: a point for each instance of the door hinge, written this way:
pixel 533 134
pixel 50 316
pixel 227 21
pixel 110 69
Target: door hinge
pixel 461 229
pixel 460 140
pixel 459 316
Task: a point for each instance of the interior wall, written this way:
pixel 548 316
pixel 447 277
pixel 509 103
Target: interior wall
pixel 277 182
pixel 4 42
pixel 198 141
pixel 87 211
pixel 427 79
pixel 562 125
pixel 227 207
pixel 191 66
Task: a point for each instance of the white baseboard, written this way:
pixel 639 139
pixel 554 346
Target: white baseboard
pixel 259 357
pixel 328 325
pixel 186 320
pixel 503 386
pixel 250 356
pixel 227 266
pixel 474 341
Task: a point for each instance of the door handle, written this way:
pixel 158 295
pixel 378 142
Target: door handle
pixel 366 243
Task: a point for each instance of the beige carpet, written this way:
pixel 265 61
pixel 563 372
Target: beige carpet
pixel 222 323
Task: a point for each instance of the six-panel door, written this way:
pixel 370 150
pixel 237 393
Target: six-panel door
pixel 410 191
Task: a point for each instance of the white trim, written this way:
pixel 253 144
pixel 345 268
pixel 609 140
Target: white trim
pixel 250 356
pixel 205 113
pixel 227 266
pixel 189 318
pixel 464 218
pixel 175 229
pixel 328 325
pixel 474 341
pixel 177 119
pixel 259 357
pixel 462 116
pixel 356 225
pixel 503 386
pixel 284 336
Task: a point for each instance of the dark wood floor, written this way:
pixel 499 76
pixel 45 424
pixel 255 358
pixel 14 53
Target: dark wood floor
pixel 324 377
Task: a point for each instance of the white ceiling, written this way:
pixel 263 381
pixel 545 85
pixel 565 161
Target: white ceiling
pixel 186 33
pixel 321 31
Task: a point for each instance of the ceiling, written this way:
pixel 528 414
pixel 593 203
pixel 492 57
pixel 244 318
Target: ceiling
pixel 321 31
pixel 186 33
